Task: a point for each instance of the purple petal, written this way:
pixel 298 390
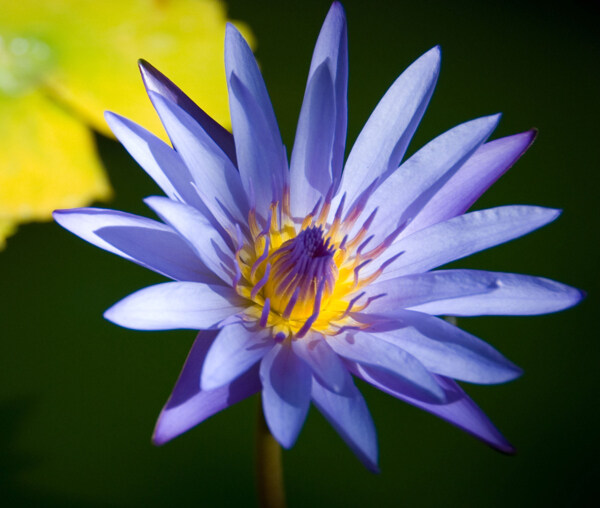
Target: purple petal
pixel 323 361
pixel 460 410
pixel 445 349
pixel 460 237
pixel 512 294
pixel 310 168
pixel 175 305
pixel 188 405
pixel 158 159
pixel 260 152
pixel 162 163
pixel 332 47
pixel 233 352
pixel 199 232
pixel 215 177
pixel 486 165
pixel 383 140
pixel 407 190
pixel 423 288
pixel 146 242
pixel 286 381
pixel 368 349
pixel 157 82
pixel 350 417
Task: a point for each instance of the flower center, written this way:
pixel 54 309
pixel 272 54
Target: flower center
pixel 303 274
pixel 306 273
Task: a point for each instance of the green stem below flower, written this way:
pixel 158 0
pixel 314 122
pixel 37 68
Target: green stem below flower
pixel 269 467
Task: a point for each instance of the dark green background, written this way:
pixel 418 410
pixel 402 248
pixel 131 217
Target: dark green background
pixel 79 396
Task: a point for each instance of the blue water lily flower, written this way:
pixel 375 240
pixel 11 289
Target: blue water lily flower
pixel 300 277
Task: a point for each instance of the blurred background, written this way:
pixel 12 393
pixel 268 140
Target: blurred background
pixel 79 396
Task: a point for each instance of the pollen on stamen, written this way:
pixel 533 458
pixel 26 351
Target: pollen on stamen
pixel 326 207
pixel 261 283
pixel 298 268
pixel 351 304
pixel 262 257
pixel 315 314
pixel 337 219
pixel 304 273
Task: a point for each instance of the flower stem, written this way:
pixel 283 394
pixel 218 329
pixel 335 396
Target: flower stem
pixel 269 467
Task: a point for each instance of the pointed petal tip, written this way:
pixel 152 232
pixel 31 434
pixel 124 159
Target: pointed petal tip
pixel 495 117
pixel 510 373
pixel 111 314
pixel 502 446
pixel 337 9
pixel 150 75
pixel 58 214
pixel 551 215
pixel 522 139
pixel 147 71
pixel 573 297
pixel 287 439
pixel 556 212
pixel 114 121
pixel 434 55
pixel 429 63
pixel 61 217
pixel 231 31
pixel 158 439
pixel 234 42
pixel 160 434
pixel 144 65
pixel 286 393
pixel 372 467
pixel 498 374
pixel 529 137
pixel 518 371
pixel 581 295
pixel 64 216
pixel 368 459
pixel 489 122
pixel 287 442
pixel 153 201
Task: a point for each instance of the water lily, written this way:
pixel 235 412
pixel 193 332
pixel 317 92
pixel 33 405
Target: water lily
pixel 303 277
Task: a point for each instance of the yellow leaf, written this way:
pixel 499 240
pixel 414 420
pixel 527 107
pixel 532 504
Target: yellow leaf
pixel 83 54
pixel 48 160
pixel 97 44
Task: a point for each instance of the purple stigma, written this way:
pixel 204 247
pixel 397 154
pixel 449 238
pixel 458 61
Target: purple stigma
pixel 298 268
